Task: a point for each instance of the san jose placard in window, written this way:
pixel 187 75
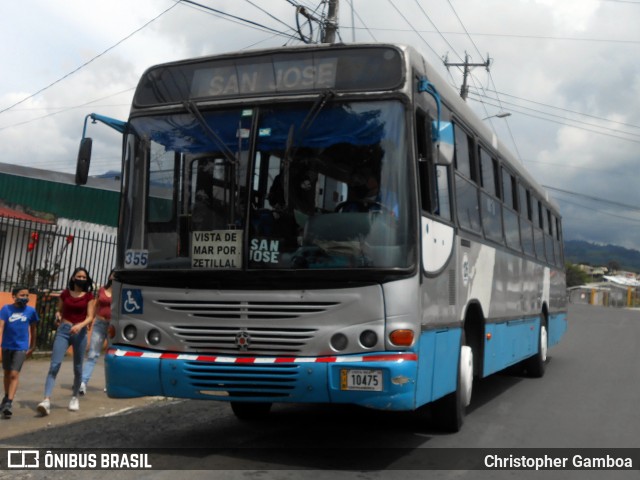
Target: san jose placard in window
pixel 216 249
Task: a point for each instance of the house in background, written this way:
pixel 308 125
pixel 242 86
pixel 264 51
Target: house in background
pixel 49 225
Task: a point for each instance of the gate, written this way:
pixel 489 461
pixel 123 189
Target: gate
pixel 41 256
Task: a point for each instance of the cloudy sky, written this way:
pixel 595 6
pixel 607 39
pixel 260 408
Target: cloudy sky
pixel 568 71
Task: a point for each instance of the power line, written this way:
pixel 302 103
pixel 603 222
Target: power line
pixel 90 61
pixel 66 109
pixel 510 35
pixel 412 27
pixel 599 132
pixel 269 14
pixel 563 109
pixel 361 21
pixel 235 19
pixel 604 212
pixel 596 199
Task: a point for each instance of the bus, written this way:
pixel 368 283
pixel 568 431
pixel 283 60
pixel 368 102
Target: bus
pixel 325 224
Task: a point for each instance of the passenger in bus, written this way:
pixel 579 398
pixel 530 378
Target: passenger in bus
pixel 363 195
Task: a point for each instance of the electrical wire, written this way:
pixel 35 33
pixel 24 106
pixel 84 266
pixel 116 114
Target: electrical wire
pixel 92 60
pixel 596 199
pixel 599 128
pixel 235 19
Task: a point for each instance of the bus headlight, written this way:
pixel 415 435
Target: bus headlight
pixel 154 337
pixel 130 332
pixel 368 338
pixel 339 342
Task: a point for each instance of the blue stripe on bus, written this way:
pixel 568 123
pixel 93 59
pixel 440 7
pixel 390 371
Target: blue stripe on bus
pixel 439 352
pixel 135 376
pixel 508 343
pixel 557 327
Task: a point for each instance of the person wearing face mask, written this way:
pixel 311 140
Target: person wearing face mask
pixel 18 333
pixel 75 311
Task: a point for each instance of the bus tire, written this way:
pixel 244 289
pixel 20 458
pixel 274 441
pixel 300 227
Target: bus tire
pixel 449 411
pixel 251 410
pixel 535 366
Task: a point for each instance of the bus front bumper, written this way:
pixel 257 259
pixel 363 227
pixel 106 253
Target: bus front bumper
pixel 384 380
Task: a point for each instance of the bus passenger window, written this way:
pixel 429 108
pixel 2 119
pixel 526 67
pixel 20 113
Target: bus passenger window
pixel 488 173
pixel 442 185
pixel 463 154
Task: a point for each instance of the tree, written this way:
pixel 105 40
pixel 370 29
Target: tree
pixel 575 276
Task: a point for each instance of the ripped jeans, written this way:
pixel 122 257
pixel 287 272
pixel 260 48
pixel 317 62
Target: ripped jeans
pixel 61 343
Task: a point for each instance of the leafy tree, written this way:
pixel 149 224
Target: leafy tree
pixel 575 276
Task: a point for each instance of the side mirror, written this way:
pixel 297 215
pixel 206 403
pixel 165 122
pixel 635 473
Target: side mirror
pixel 443 143
pixel 84 159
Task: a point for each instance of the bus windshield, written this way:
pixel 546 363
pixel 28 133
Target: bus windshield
pixel 317 185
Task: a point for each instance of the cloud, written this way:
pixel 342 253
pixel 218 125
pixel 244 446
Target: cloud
pixel 549 58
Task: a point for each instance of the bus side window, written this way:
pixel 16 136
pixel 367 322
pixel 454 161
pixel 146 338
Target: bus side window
pixel 442 185
pixel 526 228
pixel 467 204
pixel 464 160
pixel 510 211
pixel 434 179
pixel 425 180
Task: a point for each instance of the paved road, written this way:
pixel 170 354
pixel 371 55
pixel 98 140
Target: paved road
pixel 588 398
pixel 95 404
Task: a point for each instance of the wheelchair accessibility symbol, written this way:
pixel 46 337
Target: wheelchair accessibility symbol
pixel 132 301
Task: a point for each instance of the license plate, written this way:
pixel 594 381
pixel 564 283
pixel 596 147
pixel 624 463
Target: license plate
pixel 367 380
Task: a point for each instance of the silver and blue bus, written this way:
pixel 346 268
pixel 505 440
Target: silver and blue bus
pixel 326 224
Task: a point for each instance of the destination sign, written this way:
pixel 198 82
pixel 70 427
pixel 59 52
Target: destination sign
pixel 284 76
pixel 278 72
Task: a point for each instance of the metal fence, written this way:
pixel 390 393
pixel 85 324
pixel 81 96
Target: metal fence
pixel 41 256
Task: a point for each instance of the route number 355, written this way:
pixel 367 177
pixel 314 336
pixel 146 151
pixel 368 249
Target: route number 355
pixel 136 259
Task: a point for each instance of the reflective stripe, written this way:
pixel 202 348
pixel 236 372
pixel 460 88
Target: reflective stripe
pixel 386 357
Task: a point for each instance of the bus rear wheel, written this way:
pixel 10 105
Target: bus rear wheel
pixel 251 410
pixel 448 412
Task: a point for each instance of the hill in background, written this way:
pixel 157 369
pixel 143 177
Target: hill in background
pixel 578 251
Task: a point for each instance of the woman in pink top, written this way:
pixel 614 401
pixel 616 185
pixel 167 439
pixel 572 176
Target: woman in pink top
pixel 99 332
pixel 75 312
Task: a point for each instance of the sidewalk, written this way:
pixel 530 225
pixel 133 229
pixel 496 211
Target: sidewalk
pixel 31 390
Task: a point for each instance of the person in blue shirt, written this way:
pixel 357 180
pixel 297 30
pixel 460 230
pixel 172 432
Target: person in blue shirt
pixel 18 333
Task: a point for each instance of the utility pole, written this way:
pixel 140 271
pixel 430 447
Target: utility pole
pixel 464 90
pixel 332 23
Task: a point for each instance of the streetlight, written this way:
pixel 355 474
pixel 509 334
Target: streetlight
pixel 498 115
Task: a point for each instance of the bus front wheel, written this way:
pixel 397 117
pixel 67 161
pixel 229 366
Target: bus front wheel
pixel 251 410
pixel 448 412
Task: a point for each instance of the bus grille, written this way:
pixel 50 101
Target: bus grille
pixel 246 310
pixel 258 340
pixel 237 380
pixel 229 319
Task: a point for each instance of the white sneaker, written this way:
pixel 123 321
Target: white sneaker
pixel 74 404
pixel 83 388
pixel 44 407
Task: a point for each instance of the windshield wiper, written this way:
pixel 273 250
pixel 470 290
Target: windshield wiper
pixel 192 108
pixel 226 151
